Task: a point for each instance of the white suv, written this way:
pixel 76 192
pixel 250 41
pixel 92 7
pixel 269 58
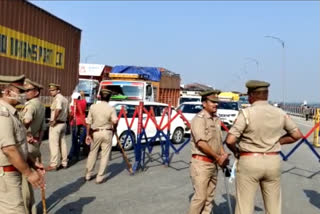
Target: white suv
pixel 177 127
pixel 228 112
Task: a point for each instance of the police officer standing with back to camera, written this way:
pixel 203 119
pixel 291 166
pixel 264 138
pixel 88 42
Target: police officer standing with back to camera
pixel 13 153
pixel 258 133
pixel 101 122
pixel 207 153
pixel 33 117
pixel 57 130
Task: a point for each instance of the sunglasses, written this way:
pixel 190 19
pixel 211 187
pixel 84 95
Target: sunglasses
pixel 29 89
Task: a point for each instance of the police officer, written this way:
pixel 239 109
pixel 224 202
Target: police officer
pixel 101 121
pixel 207 153
pixel 259 133
pixel 13 152
pixel 33 117
pixel 57 130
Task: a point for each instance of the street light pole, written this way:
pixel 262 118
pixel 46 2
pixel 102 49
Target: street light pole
pixel 255 61
pixel 87 57
pixel 283 67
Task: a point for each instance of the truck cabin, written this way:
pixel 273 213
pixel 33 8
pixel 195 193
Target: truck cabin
pixel 89 87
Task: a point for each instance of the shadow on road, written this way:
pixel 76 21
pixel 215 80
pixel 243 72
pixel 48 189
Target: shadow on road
pixel 177 165
pixel 61 193
pixel 76 206
pixel 223 207
pixel 115 169
pixel 300 172
pixel 314 197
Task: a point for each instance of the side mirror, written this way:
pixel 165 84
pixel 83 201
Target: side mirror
pixel 149 90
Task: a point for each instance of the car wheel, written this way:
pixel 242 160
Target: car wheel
pixel 177 136
pixel 129 143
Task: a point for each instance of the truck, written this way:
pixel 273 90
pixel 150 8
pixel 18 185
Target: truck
pixel 143 84
pixel 39 45
pixel 90 76
pixel 229 96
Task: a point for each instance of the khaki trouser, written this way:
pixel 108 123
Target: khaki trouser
pixel 58 145
pixel 103 140
pixel 254 171
pixel 204 181
pixel 28 197
pixel 11 201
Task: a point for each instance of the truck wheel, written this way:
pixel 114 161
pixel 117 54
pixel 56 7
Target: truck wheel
pixel 128 145
pixel 177 136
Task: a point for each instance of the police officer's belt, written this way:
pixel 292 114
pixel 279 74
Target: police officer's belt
pixel 202 158
pixel 60 121
pixel 10 168
pixel 258 153
pixel 101 129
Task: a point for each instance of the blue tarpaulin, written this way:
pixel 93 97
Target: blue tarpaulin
pixel 149 73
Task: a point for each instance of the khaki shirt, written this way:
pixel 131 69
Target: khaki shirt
pixel 260 127
pixel 60 102
pixel 34 111
pixel 206 128
pixel 12 132
pixel 101 115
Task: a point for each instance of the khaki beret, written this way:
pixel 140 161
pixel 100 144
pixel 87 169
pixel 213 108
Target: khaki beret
pixel 257 85
pixel 105 92
pixel 211 95
pixel 34 84
pixel 54 86
pixel 16 81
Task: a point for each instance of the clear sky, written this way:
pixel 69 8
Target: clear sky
pixel 209 42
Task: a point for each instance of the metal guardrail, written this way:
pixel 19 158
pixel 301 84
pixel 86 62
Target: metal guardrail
pixel 299 111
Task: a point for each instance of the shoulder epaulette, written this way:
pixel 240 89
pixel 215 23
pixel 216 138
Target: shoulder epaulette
pixel 4 111
pixel 200 115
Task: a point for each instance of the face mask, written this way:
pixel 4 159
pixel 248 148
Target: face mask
pixel 20 98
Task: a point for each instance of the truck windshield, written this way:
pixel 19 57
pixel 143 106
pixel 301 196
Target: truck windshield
pixel 89 87
pixel 129 92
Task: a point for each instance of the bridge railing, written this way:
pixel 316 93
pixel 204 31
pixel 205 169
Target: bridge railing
pixel 298 111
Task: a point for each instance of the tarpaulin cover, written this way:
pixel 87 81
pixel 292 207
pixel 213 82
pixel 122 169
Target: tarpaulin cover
pixel 149 73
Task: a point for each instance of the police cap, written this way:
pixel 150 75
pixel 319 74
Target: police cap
pixel 257 85
pixel 105 92
pixel 16 81
pixel 31 84
pixel 54 86
pixel 211 95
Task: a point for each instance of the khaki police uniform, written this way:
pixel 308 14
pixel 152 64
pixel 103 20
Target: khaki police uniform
pixel 57 138
pixel 259 129
pixel 12 133
pixel 101 117
pixel 33 111
pixel 203 170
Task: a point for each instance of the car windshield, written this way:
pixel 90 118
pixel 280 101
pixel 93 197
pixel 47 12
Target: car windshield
pixel 228 105
pixel 129 109
pixel 189 99
pixel 190 108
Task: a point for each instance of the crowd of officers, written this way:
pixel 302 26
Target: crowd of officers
pixel 255 139
pixel 21 167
